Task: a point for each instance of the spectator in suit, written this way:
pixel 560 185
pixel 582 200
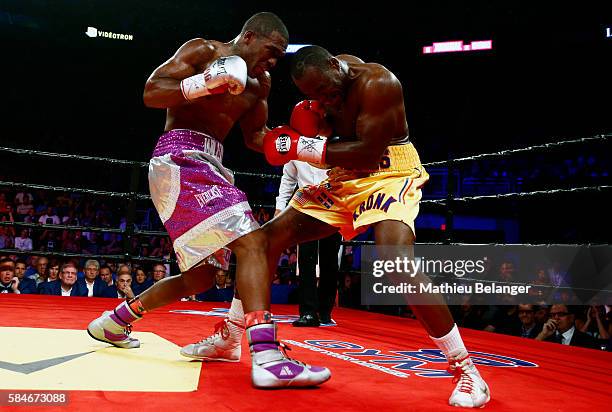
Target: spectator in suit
pixel 560 328
pixel 26 285
pixel 66 285
pixel 51 275
pixel 123 284
pixel 31 261
pixel 529 328
pixel 106 275
pixel 219 292
pixel 96 287
pixel 141 282
pixel 9 283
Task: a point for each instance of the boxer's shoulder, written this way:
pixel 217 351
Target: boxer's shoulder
pixel 376 75
pixel 200 51
pixel 201 45
pixel 349 58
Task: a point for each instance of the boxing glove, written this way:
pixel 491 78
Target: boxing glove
pixel 224 74
pixel 283 144
pixel 308 119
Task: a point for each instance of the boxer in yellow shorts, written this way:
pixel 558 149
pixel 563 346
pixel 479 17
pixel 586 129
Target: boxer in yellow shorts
pixel 375 181
pixel 392 192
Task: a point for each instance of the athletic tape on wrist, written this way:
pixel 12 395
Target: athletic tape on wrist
pixel 194 87
pixel 311 149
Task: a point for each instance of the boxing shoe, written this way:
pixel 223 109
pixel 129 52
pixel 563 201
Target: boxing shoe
pixel 271 368
pixel 223 345
pixel 471 390
pixel 115 326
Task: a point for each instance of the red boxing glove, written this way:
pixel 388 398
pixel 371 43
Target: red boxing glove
pixel 283 144
pixel 308 118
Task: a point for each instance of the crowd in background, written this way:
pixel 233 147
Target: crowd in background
pixel 29 273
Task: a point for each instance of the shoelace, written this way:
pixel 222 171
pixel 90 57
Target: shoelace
pixel 221 330
pixel 285 348
pixel 466 384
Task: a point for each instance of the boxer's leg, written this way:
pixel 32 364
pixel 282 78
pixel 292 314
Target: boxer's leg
pixel 432 311
pixel 173 288
pixel 290 228
pixel 270 367
pixel 114 326
pixel 252 282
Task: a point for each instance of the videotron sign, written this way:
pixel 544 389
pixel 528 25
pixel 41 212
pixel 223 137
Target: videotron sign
pixel 93 32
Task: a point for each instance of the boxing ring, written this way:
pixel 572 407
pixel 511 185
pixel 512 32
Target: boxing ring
pixel 376 360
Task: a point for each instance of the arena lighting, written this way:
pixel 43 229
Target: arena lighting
pixel 458 46
pixel 292 48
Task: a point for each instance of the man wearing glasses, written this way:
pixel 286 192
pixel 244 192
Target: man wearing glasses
pixel 560 328
pixel 529 327
pixel 159 272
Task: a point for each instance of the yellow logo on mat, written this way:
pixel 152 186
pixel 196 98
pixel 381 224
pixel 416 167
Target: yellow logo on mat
pixel 68 359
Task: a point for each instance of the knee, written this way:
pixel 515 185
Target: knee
pixel 255 242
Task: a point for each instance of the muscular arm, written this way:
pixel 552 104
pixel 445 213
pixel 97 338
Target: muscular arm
pixel 253 122
pixel 163 89
pixel 381 118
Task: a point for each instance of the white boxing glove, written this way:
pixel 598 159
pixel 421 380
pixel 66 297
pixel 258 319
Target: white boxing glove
pixel 224 74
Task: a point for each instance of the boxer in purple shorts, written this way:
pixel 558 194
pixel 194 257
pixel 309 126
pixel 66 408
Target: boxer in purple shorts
pixel 196 198
pixel 206 88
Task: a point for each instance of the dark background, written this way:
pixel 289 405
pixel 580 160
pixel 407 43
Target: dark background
pixel 546 79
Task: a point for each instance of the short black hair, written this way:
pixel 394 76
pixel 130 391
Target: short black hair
pixel 315 56
pixel 6 259
pixel 265 23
